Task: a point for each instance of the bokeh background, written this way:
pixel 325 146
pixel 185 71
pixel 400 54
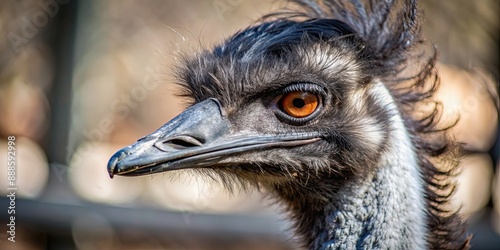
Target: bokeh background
pixel 81 79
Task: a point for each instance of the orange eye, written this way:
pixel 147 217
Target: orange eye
pixel 299 104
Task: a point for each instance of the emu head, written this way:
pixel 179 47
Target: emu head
pixel 282 103
pixel 289 104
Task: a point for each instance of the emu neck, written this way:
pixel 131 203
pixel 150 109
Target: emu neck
pixel 384 210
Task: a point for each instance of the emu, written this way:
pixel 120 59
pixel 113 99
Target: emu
pixel 327 108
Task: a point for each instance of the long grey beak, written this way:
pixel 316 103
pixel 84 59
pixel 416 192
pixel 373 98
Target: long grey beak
pixel 199 137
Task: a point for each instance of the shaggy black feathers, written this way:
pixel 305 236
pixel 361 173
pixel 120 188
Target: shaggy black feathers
pixel 270 38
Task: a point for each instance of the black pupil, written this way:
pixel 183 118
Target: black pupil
pixel 299 103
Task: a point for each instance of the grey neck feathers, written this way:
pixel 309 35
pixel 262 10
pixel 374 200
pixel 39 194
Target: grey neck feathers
pixel 385 210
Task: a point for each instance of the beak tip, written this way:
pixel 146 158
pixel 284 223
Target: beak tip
pixel 111 170
pixel 111 174
pixel 113 162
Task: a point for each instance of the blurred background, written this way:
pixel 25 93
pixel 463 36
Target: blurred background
pixel 82 79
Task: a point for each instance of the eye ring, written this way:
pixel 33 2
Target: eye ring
pixel 299 103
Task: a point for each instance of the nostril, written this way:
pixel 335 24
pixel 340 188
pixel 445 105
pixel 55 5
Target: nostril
pixel 179 142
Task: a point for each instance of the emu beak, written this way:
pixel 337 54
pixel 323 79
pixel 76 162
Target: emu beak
pixel 199 137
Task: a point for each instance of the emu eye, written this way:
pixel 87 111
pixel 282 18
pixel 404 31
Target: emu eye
pixel 299 104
